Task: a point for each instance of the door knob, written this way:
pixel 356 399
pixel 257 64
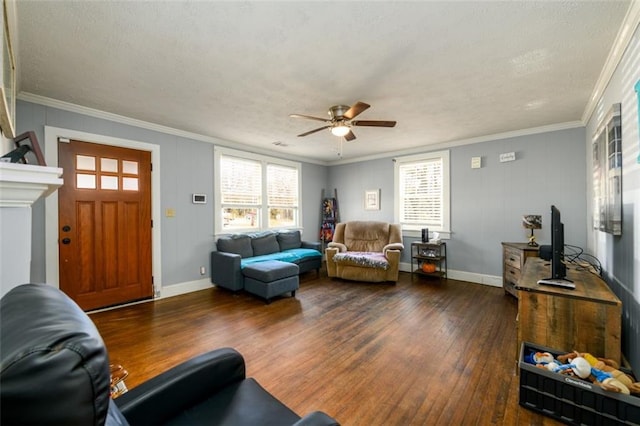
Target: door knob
pixel 66 240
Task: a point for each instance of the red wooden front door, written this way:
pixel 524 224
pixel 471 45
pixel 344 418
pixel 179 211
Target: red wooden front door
pixel 104 234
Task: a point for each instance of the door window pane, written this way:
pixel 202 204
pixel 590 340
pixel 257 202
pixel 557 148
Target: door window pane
pixel 130 184
pixel 109 182
pixel 84 162
pixel 109 165
pixel 84 181
pixel 130 167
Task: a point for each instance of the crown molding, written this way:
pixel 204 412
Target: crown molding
pixel 66 106
pixel 91 112
pixel 461 142
pixel 623 38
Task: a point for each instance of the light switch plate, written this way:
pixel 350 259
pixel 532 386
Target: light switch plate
pixel 507 156
pixel 476 162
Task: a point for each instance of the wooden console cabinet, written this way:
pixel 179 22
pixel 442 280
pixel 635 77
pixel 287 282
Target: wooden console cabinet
pixel 586 319
pixel 513 258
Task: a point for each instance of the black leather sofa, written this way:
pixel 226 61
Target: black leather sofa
pixel 54 370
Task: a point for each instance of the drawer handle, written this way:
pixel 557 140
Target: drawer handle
pixel 512 259
pixel 512 273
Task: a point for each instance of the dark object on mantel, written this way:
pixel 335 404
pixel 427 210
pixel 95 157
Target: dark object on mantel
pixel 33 155
pixel 55 371
pixel 17 155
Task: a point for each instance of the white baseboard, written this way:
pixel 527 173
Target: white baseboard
pixel 183 288
pixel 490 280
pixel 190 286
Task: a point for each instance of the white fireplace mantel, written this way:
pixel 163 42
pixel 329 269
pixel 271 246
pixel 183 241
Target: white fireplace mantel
pixel 22 184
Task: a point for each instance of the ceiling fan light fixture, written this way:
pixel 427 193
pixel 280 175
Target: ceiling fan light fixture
pixel 340 130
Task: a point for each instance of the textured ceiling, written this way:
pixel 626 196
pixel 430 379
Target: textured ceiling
pixel 446 71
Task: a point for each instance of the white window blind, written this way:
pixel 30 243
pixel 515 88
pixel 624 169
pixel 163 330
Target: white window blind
pixel 422 192
pixel 282 186
pixel 240 181
pixel 255 192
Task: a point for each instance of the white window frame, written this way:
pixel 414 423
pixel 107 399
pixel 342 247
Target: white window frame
pixel 415 230
pixel 264 160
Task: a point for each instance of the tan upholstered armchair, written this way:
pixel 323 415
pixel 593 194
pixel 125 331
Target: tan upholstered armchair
pixel 365 251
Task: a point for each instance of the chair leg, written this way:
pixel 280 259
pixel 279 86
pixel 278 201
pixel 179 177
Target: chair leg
pixel 293 293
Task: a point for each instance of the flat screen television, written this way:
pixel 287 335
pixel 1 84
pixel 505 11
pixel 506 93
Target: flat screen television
pixel 558 268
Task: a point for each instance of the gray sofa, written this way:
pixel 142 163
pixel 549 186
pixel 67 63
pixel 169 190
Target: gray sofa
pixel 234 252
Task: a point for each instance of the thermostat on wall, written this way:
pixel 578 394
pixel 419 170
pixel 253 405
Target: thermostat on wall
pixel 199 198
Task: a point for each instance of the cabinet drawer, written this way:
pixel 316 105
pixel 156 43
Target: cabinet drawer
pixel 512 258
pixel 512 274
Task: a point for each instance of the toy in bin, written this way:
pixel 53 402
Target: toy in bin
pixel 601 371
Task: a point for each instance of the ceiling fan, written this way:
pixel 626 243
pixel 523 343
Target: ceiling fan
pixel 342 119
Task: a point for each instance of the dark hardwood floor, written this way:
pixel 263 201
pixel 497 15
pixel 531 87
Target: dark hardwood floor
pixel 421 352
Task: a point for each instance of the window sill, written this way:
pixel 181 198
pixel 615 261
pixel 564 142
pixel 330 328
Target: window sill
pixel 410 233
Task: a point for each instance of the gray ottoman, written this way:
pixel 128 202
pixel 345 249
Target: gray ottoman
pixel 271 278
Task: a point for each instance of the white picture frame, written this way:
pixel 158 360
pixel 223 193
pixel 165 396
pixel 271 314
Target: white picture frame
pixel 372 199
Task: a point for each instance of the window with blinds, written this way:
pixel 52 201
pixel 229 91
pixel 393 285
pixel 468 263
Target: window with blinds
pixel 255 192
pixel 422 188
pixel 282 195
pixel 240 192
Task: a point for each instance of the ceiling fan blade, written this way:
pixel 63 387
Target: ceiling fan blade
pixel 309 117
pixel 374 123
pixel 355 110
pixel 313 131
pixel 349 136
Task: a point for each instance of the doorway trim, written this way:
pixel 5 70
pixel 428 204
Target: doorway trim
pixel 51 135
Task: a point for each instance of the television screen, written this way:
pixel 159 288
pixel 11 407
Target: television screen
pixel 558 268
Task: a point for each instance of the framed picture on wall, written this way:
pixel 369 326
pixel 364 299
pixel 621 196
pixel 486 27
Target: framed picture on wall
pixel 607 173
pixel 372 199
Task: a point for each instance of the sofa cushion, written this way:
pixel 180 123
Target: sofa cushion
pixel 238 244
pixel 366 236
pixel 363 259
pixel 270 270
pixel 289 240
pixel 55 367
pixel 266 243
pixel 241 403
pixel 291 255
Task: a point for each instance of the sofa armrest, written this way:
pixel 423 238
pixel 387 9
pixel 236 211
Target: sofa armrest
pixel 317 418
pixel 170 393
pixel 311 245
pixel 392 246
pixel 225 270
pixel 332 269
pixel 341 247
pixel 393 257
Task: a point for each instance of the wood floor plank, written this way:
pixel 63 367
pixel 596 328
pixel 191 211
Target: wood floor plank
pixel 420 352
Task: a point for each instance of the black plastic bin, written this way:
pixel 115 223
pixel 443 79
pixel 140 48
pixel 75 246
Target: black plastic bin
pixel 572 400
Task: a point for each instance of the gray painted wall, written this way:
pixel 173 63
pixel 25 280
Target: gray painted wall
pixel 619 254
pixel 487 204
pixel 186 167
